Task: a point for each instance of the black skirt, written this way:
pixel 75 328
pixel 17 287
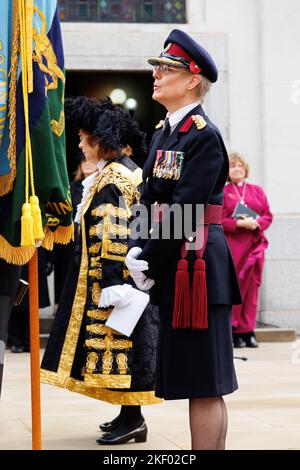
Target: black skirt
pixel 195 364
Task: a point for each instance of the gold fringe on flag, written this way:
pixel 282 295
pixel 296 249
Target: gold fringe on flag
pixel 61 235
pixel 6 184
pixel 15 255
pixel 6 181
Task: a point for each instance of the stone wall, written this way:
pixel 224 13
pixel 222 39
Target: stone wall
pixel 256 104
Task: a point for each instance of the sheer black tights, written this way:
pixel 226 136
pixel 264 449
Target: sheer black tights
pixel 208 423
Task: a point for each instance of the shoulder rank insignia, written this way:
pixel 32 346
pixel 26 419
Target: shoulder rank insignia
pixel 160 124
pixel 199 121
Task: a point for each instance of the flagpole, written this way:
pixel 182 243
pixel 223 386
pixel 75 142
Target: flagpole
pixel 35 353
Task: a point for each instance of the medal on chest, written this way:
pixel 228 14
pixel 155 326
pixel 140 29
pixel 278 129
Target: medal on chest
pixel 168 164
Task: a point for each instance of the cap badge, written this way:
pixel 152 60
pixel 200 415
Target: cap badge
pixel 194 68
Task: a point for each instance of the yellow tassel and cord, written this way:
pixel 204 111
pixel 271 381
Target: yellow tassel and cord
pixel 31 220
pixel 27 238
pixel 38 232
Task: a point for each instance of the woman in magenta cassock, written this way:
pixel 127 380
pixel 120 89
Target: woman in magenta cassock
pixel 248 243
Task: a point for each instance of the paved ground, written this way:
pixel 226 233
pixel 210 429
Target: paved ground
pixel 263 414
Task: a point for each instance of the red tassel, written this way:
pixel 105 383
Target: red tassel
pixel 199 296
pixel 182 305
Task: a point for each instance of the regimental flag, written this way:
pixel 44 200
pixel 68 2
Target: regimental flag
pixel 33 163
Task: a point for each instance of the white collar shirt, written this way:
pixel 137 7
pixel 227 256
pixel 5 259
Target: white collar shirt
pixel 179 114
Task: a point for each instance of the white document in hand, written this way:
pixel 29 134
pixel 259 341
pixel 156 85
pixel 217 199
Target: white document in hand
pixel 124 319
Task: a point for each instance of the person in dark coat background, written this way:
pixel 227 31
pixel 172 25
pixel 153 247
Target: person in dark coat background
pixel 9 279
pixel 18 328
pixel 188 165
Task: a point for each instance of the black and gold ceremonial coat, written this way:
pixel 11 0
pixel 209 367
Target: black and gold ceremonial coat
pixel 82 353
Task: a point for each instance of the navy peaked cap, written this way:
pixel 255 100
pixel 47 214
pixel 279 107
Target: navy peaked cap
pixel 182 51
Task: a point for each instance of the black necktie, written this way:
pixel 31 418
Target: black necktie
pixel 165 133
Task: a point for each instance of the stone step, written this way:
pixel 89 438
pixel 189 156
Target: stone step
pixel 46 324
pixel 43 340
pixel 45 328
pixel 275 335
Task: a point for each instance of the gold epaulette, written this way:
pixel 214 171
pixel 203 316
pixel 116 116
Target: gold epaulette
pixel 125 179
pixel 199 121
pixel 160 124
pixel 137 177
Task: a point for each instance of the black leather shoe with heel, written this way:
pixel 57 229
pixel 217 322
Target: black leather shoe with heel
pixel 238 341
pixel 139 434
pixel 251 342
pixel 110 426
pixel 17 349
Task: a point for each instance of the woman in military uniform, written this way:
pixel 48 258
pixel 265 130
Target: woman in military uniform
pixel 83 354
pixel 195 283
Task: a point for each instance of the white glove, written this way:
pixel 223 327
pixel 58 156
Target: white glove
pixel 136 268
pixel 116 296
pixel 142 282
pixel 134 265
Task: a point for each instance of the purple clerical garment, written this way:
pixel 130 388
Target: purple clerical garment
pixel 247 248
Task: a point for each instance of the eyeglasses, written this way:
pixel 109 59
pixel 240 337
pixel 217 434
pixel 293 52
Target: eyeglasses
pixel 165 68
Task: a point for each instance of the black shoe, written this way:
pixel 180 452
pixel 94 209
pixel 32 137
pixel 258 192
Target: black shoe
pixel 110 426
pixel 251 342
pixel 17 349
pixel 138 434
pixel 238 342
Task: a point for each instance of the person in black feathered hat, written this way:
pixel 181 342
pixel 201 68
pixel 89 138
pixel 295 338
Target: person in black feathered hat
pixel 132 138
pixel 102 122
pixel 98 127
pixel 83 354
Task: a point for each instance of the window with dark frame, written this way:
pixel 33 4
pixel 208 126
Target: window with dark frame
pixel 123 11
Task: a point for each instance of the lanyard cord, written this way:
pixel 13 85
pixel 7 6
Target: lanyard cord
pixel 241 197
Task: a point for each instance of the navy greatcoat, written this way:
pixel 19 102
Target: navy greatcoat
pixel 192 363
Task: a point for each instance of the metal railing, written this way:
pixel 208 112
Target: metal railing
pixel 123 11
